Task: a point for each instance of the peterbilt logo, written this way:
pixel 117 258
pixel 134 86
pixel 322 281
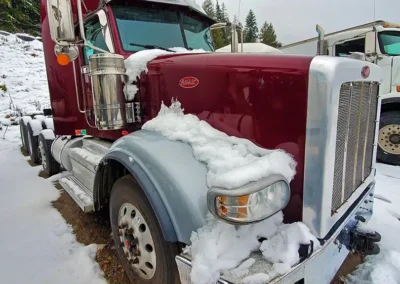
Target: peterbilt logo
pixel 365 72
pixel 189 82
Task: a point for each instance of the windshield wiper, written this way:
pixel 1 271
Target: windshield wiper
pixel 151 47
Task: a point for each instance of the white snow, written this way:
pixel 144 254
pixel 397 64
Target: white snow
pixel 39 117
pixel 77 190
pixel 137 63
pixel 384 267
pixel 5 121
pixel 49 123
pixel 36 126
pixel 59 176
pixel 259 278
pixel 219 246
pixel 23 73
pixel 232 162
pixel 48 134
pixel 87 155
pixel 37 245
pixel 26 119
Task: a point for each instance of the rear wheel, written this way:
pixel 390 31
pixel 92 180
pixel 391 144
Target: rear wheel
pixel 24 136
pixel 145 255
pixel 33 145
pixel 389 138
pixel 50 165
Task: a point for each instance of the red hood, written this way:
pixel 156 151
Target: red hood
pixel 259 97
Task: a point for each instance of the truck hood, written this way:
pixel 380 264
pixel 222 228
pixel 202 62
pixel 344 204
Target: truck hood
pixel 259 97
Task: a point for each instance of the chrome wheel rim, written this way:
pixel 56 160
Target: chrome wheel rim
pixel 389 139
pixel 136 241
pixel 42 154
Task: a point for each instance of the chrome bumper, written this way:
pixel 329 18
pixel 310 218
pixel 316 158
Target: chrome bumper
pixel 321 266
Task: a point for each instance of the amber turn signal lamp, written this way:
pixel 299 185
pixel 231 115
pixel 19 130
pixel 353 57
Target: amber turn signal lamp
pixel 398 88
pixel 63 59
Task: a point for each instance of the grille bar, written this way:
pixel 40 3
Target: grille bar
pixel 354 139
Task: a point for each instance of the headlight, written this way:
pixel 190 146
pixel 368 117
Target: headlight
pixel 250 203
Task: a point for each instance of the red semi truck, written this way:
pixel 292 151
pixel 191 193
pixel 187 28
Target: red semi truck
pixel 322 110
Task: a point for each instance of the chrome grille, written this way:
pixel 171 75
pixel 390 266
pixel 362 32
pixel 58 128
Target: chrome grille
pixel 354 139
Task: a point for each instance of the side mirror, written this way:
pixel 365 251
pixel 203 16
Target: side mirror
pixel 61 20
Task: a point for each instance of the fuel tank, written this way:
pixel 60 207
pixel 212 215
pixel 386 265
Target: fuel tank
pixel 259 97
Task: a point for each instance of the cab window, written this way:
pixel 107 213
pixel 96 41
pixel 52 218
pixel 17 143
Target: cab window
pixel 94 36
pixel 346 48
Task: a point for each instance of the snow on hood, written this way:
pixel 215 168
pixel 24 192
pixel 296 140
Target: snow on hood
pixel 137 63
pixel 232 162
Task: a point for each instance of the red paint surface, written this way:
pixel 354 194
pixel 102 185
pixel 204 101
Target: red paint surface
pixel 262 98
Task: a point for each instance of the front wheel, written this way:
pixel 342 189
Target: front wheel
pixel 389 138
pixel 142 250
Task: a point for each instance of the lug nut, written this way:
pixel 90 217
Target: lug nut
pixel 130 231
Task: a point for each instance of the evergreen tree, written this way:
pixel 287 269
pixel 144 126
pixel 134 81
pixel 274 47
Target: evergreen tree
pixel 20 16
pixel 268 36
pixel 224 12
pixel 218 13
pixel 208 7
pixel 251 30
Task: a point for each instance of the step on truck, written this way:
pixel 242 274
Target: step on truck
pixel 324 111
pixel 377 42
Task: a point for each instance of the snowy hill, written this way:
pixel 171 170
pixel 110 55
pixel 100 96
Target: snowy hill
pixel 23 81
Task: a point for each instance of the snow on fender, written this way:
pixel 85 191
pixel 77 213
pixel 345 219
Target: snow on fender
pixel 233 162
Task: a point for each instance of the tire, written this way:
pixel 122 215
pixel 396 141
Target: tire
pixel 24 136
pixel 50 165
pixel 127 194
pixel 33 145
pixel 389 138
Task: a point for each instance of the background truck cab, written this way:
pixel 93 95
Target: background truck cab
pixel 379 42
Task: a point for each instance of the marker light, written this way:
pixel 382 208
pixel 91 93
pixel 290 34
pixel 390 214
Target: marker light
pixel 63 59
pixel 398 88
pixel 250 203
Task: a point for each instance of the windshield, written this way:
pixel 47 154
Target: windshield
pixel 390 42
pixel 163 26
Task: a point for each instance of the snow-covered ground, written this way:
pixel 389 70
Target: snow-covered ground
pixel 384 267
pixel 36 244
pixel 39 247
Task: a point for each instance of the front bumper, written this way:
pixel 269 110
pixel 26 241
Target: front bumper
pixel 322 265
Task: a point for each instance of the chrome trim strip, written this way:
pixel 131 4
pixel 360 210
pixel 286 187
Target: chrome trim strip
pixel 346 143
pixel 366 130
pixel 326 76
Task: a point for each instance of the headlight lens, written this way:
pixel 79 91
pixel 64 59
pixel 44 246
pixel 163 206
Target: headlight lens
pixel 255 206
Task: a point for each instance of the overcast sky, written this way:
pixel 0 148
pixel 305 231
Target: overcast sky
pixel 295 20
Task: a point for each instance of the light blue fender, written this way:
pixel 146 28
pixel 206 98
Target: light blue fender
pixel 172 179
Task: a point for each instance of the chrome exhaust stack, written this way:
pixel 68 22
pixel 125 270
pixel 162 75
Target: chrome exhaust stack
pixel 108 76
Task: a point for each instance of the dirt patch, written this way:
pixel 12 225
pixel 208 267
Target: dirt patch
pixel 348 266
pixel 23 152
pixel 89 229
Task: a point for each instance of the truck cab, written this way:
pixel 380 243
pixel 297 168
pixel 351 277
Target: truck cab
pixel 379 43
pixel 155 188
